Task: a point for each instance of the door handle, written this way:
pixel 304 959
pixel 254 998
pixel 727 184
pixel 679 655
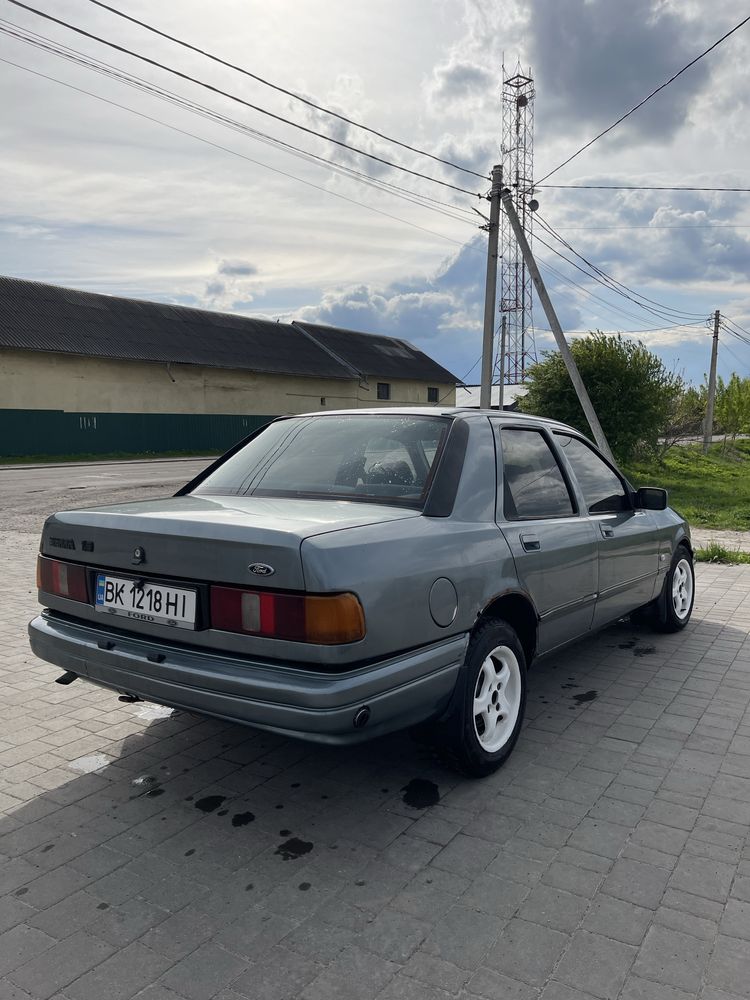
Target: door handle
pixel 531 543
pixel 607 532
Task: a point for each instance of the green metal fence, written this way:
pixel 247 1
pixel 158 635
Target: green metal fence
pixel 58 432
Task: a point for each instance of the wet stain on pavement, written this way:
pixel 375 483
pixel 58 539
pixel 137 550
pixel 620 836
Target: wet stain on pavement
pixel 242 819
pixel 209 803
pixel 190 853
pixel 644 650
pixel 249 887
pixel 628 644
pixel 103 906
pixel 420 793
pixel 294 848
pixel 285 833
pixel 304 886
pixel 585 696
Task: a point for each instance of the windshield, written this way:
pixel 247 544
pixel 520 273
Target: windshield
pixel 386 458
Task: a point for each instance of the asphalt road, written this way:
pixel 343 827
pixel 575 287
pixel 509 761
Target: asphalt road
pixel 29 494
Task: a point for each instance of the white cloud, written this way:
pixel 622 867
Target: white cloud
pixel 95 197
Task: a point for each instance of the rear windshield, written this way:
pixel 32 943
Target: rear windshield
pixel 383 458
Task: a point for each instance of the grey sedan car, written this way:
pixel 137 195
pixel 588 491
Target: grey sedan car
pixel 338 576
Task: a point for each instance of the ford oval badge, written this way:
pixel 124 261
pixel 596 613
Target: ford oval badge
pixel 261 569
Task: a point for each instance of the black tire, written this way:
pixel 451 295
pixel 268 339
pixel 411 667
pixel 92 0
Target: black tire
pixel 458 739
pixel 669 618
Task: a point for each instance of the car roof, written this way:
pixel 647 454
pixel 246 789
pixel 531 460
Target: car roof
pixel 462 412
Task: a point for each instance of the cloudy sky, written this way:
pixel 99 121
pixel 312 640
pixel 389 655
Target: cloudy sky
pixel 135 195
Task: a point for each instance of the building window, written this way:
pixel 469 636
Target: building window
pixel 432 394
pixel 384 390
pixel 322 401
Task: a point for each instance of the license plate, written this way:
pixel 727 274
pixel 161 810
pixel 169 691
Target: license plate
pixel 145 601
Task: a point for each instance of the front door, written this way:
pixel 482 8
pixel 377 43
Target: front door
pixel 554 548
pixel 627 538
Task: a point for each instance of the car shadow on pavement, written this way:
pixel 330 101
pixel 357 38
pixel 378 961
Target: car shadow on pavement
pixel 191 836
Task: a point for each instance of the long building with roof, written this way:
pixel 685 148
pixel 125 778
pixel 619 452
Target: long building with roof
pixel 85 373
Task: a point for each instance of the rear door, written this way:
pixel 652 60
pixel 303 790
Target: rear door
pixel 627 538
pixel 554 547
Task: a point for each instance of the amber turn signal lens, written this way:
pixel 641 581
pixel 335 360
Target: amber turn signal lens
pixel 336 619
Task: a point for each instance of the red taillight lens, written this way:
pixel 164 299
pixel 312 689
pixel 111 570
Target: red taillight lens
pixel 63 579
pixel 326 620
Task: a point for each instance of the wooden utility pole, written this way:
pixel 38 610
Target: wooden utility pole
pixel 490 290
pixel 554 322
pixel 708 427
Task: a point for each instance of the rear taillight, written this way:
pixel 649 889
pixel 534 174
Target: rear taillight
pixel 63 579
pixel 326 620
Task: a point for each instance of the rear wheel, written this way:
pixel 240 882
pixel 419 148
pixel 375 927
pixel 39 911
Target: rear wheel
pixel 484 728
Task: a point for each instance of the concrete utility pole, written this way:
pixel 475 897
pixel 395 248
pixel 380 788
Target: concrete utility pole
pixel 708 427
pixel 490 290
pixel 501 394
pixel 554 322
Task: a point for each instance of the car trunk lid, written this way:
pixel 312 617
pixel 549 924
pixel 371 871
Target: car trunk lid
pixel 209 538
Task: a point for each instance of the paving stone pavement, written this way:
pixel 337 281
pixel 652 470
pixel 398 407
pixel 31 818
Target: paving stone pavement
pixel 159 855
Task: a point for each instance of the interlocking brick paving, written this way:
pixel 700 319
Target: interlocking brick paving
pixel 141 851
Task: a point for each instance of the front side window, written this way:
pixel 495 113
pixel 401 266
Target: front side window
pixel 602 488
pixel 533 484
pixel 389 459
pixel 384 390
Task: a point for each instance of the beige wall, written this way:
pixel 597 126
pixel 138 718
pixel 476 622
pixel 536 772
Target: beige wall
pixel 42 381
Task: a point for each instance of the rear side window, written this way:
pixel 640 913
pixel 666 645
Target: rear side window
pixel 602 489
pixel 533 484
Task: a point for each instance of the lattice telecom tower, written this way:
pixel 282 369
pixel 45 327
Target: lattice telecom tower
pixel 517 153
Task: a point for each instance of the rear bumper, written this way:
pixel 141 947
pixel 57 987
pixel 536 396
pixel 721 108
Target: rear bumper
pixel 399 692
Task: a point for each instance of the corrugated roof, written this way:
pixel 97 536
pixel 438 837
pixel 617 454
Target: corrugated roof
pixel 40 317
pixel 374 355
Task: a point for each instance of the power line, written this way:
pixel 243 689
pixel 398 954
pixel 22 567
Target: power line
pixel 243 156
pixel 283 90
pixel 107 69
pixel 462 381
pixel 646 99
pixel 700 225
pixel 659 314
pixel 609 306
pixel 240 100
pixel 618 286
pixel 736 357
pixel 637 187
pixel 737 326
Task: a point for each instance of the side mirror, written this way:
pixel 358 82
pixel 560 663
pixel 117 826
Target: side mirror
pixel 650 498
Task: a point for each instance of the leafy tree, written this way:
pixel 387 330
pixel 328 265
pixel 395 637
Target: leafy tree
pixel 633 394
pixel 684 419
pixel 732 406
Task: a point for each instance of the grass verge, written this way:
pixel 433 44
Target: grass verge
pixel 711 491
pixel 714 552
